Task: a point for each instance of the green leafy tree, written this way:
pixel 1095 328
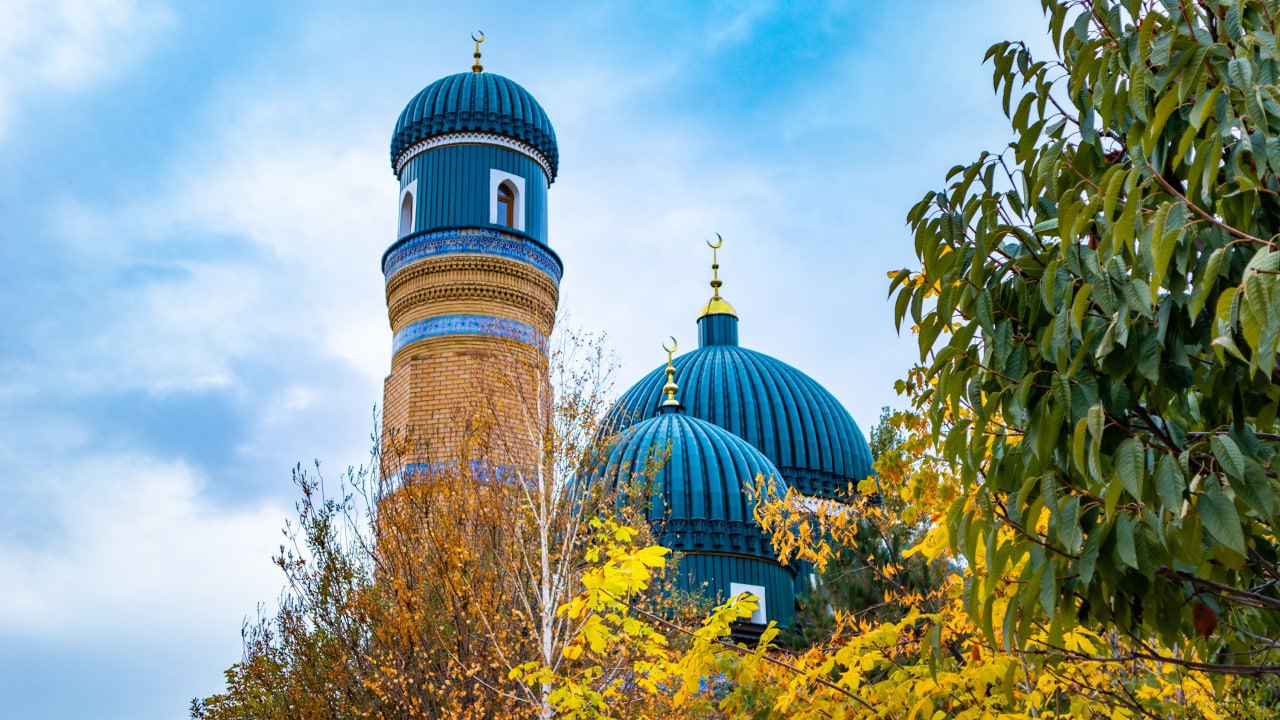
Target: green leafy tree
pixel 1098 313
pixel 854 579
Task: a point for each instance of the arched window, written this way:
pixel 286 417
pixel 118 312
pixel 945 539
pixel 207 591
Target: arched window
pixel 506 205
pixel 506 199
pixel 406 214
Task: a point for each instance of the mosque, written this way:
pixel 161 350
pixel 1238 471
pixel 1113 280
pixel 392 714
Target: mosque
pixel 472 288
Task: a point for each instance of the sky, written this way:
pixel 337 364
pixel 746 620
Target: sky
pixel 194 199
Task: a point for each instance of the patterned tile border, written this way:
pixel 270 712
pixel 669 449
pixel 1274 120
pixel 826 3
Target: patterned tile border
pixel 473 138
pixel 468 325
pixel 471 241
pixel 480 470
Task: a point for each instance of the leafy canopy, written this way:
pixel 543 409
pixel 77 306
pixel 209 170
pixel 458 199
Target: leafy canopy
pixel 1098 311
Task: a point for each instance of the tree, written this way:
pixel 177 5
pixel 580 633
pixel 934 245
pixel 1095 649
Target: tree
pixel 1098 317
pixel 1098 311
pixel 852 580
pixel 423 589
pixel 930 659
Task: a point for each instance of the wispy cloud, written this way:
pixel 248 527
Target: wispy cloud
pixel 69 45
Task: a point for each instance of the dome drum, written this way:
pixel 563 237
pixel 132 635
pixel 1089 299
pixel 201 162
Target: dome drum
pixel 718 535
pixel 719 329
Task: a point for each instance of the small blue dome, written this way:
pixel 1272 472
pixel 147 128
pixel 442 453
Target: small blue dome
pixel 700 505
pixel 476 102
pixel 700 499
pixel 798 425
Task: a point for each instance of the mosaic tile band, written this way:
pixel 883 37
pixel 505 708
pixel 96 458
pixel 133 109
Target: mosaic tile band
pixel 468 325
pixel 480 470
pixel 470 241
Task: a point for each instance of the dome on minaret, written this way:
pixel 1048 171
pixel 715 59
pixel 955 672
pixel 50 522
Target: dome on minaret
pixel 476 102
pixel 785 414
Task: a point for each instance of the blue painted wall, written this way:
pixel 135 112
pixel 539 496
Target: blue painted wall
pixel 453 188
pixel 718 571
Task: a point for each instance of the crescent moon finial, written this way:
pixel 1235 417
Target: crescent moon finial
pixel 477 67
pixel 715 266
pixel 670 388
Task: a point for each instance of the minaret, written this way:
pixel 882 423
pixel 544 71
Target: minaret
pixel 471 284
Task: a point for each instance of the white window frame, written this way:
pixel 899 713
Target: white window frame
pixel 412 191
pixel 760 616
pixel 496 178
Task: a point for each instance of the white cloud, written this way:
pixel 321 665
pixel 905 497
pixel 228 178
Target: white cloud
pixel 139 554
pixel 68 45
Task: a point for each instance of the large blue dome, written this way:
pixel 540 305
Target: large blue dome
pixel 798 425
pixel 476 102
pixel 700 503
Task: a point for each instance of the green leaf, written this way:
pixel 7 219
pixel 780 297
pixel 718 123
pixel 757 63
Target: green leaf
pixel 1170 483
pixel 1162 248
pixel 1079 306
pixel 1124 541
pixel 1228 455
pixel 1048 589
pixel 1255 488
pixel 1122 231
pixel 1068 523
pixel 1241 73
pixel 1097 416
pixel 1205 282
pixel 1089 558
pixel 1078 440
pixel 1130 466
pixel 1218 514
pixel 1158 120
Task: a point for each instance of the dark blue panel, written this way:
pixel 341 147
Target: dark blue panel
pixel 454 186
pixel 719 329
pixel 714 574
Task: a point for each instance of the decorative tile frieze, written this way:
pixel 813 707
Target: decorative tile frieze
pixel 475 241
pixel 476 471
pixel 469 325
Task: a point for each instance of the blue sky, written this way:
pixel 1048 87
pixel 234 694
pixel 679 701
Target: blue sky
pixel 194 199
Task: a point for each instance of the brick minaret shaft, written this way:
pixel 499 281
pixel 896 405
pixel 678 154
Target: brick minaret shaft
pixel 469 393
pixel 471 284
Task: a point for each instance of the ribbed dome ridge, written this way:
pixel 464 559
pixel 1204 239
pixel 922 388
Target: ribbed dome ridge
pixel 476 102
pixel 701 495
pixel 795 422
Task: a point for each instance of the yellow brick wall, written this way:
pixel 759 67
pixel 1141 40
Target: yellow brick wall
pixel 467 397
pixel 472 285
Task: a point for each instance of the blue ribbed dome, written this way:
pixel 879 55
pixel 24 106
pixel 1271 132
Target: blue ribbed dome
pixel 476 102
pixel 700 499
pixel 782 412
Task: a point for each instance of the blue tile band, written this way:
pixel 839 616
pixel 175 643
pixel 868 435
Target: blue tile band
pixel 480 470
pixel 470 241
pixel 469 325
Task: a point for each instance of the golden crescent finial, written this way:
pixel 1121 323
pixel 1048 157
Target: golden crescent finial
pixel 715 266
pixel 670 388
pixel 716 305
pixel 477 67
